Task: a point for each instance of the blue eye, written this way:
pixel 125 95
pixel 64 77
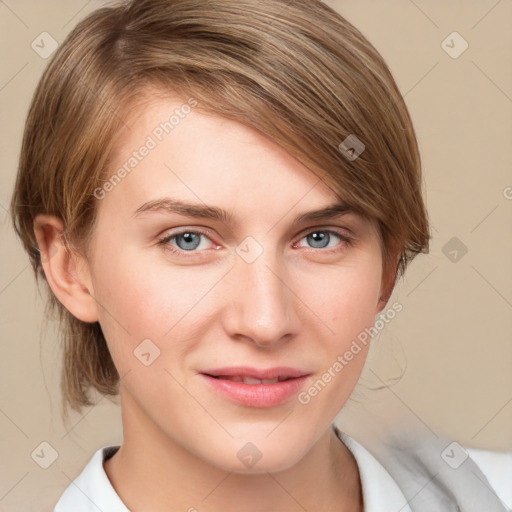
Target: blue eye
pixel 320 238
pixel 186 241
pixel 189 241
pixel 323 240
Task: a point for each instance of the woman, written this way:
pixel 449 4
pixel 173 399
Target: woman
pixel 221 197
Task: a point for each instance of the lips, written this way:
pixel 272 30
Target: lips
pixel 255 376
pixel 252 387
pixel 250 380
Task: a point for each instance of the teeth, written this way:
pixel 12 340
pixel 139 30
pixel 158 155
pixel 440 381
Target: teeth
pixel 250 380
pixel 270 381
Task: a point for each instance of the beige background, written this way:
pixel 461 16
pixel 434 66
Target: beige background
pixel 446 358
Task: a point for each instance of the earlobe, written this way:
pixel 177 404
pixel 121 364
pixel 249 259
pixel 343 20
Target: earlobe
pixel 388 284
pixel 383 300
pixel 65 270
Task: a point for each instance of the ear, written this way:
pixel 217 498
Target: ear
pixel 387 286
pixel 66 272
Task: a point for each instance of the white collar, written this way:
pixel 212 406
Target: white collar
pixel 380 491
pixel 92 491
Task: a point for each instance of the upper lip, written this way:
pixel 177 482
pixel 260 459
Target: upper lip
pixel 255 373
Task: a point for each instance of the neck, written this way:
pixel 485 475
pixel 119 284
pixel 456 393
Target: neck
pixel 153 472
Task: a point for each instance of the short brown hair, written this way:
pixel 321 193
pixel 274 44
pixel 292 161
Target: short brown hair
pixel 297 71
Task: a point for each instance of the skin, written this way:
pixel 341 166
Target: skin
pixel 299 304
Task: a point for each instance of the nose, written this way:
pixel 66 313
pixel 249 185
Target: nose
pixel 262 305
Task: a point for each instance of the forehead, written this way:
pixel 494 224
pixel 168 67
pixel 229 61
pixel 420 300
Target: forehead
pixel 171 148
pixel 199 144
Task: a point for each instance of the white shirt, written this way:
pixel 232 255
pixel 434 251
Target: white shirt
pixel 92 491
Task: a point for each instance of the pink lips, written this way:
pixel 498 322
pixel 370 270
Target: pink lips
pixel 290 380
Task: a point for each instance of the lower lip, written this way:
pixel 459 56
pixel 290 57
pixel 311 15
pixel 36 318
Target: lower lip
pixel 256 395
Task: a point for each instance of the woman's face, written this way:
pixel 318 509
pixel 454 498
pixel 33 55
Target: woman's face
pixel 245 284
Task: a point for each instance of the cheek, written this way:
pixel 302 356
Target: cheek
pixel 347 306
pixel 143 300
pixel 347 300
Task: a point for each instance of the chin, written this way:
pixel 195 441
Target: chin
pixel 258 457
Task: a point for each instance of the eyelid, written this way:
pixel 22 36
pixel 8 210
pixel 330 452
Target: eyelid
pixel 163 240
pixel 338 230
pixel 346 239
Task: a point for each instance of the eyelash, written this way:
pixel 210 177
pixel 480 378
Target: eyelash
pixel 346 240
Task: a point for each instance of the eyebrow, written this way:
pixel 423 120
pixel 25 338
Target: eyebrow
pixel 169 205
